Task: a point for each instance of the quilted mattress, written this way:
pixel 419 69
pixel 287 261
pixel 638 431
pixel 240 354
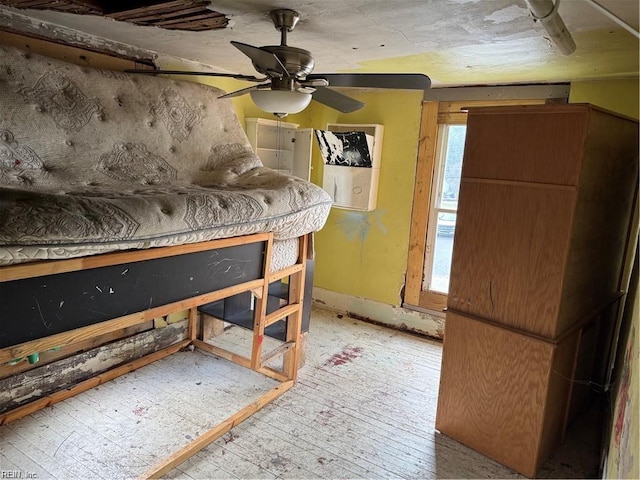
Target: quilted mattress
pixel 93 161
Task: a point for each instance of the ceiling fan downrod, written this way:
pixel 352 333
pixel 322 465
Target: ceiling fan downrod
pixel 285 20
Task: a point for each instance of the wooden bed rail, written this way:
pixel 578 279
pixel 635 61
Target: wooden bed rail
pixel 52 267
pixel 289 349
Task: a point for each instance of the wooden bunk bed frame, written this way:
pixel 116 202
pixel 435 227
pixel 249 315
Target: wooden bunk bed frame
pixel 257 251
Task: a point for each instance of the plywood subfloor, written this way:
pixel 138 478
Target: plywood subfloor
pixel 364 407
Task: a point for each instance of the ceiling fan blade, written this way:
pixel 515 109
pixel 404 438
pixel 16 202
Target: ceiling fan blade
pixel 315 82
pixel 266 60
pixel 237 76
pixel 243 91
pixel 409 81
pixel 336 100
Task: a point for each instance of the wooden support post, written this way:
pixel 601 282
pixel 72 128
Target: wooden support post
pixel 294 322
pixel 193 324
pixel 210 327
pixel 260 311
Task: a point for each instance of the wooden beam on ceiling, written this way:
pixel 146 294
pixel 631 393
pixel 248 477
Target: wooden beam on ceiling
pixel 191 15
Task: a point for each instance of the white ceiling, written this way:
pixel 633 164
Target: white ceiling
pixel 455 42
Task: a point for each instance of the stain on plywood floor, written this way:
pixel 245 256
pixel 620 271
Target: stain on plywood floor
pixel 364 407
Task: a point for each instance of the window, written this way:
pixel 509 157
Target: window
pixel 442 221
pixel 435 201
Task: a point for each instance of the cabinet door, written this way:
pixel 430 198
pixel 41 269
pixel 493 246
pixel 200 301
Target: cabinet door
pixel 509 253
pixel 533 143
pixel 498 395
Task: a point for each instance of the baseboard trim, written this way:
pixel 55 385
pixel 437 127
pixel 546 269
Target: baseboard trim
pixel 380 313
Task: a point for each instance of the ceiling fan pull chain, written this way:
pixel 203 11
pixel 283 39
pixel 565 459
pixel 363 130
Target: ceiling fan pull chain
pixel 279 142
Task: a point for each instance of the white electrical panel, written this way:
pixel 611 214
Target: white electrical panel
pixel 352 155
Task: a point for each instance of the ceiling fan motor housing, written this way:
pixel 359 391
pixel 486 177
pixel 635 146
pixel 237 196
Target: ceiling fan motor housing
pixel 298 62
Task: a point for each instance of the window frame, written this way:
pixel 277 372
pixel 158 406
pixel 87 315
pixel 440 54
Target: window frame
pixel 434 114
pixel 435 210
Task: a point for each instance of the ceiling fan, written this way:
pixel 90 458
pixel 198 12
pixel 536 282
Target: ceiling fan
pixel 287 85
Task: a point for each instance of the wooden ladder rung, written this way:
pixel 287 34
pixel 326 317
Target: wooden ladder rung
pixel 279 350
pixel 285 272
pixel 239 359
pixel 281 313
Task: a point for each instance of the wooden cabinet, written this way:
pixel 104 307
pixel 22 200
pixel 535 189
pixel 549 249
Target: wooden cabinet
pixel 281 146
pixel 546 197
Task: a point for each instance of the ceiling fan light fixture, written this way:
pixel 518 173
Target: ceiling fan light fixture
pixel 280 102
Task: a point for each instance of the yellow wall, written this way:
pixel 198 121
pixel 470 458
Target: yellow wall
pixel 364 254
pixel 619 96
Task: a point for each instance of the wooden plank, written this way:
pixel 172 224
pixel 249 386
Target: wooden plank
pixel 239 359
pixel 222 353
pixel 190 17
pixel 88 332
pixel 453 118
pixel 279 350
pixel 36 269
pixel 279 314
pixel 210 326
pixel 291 360
pixel 128 14
pixel 50 356
pixel 260 312
pixel 30 408
pixel 178 11
pixel 285 272
pixel 205 439
pixel 68 53
pixel 193 323
pixel 421 198
pixel 47 379
pixel 210 23
pixel 434 301
pixel 457 106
